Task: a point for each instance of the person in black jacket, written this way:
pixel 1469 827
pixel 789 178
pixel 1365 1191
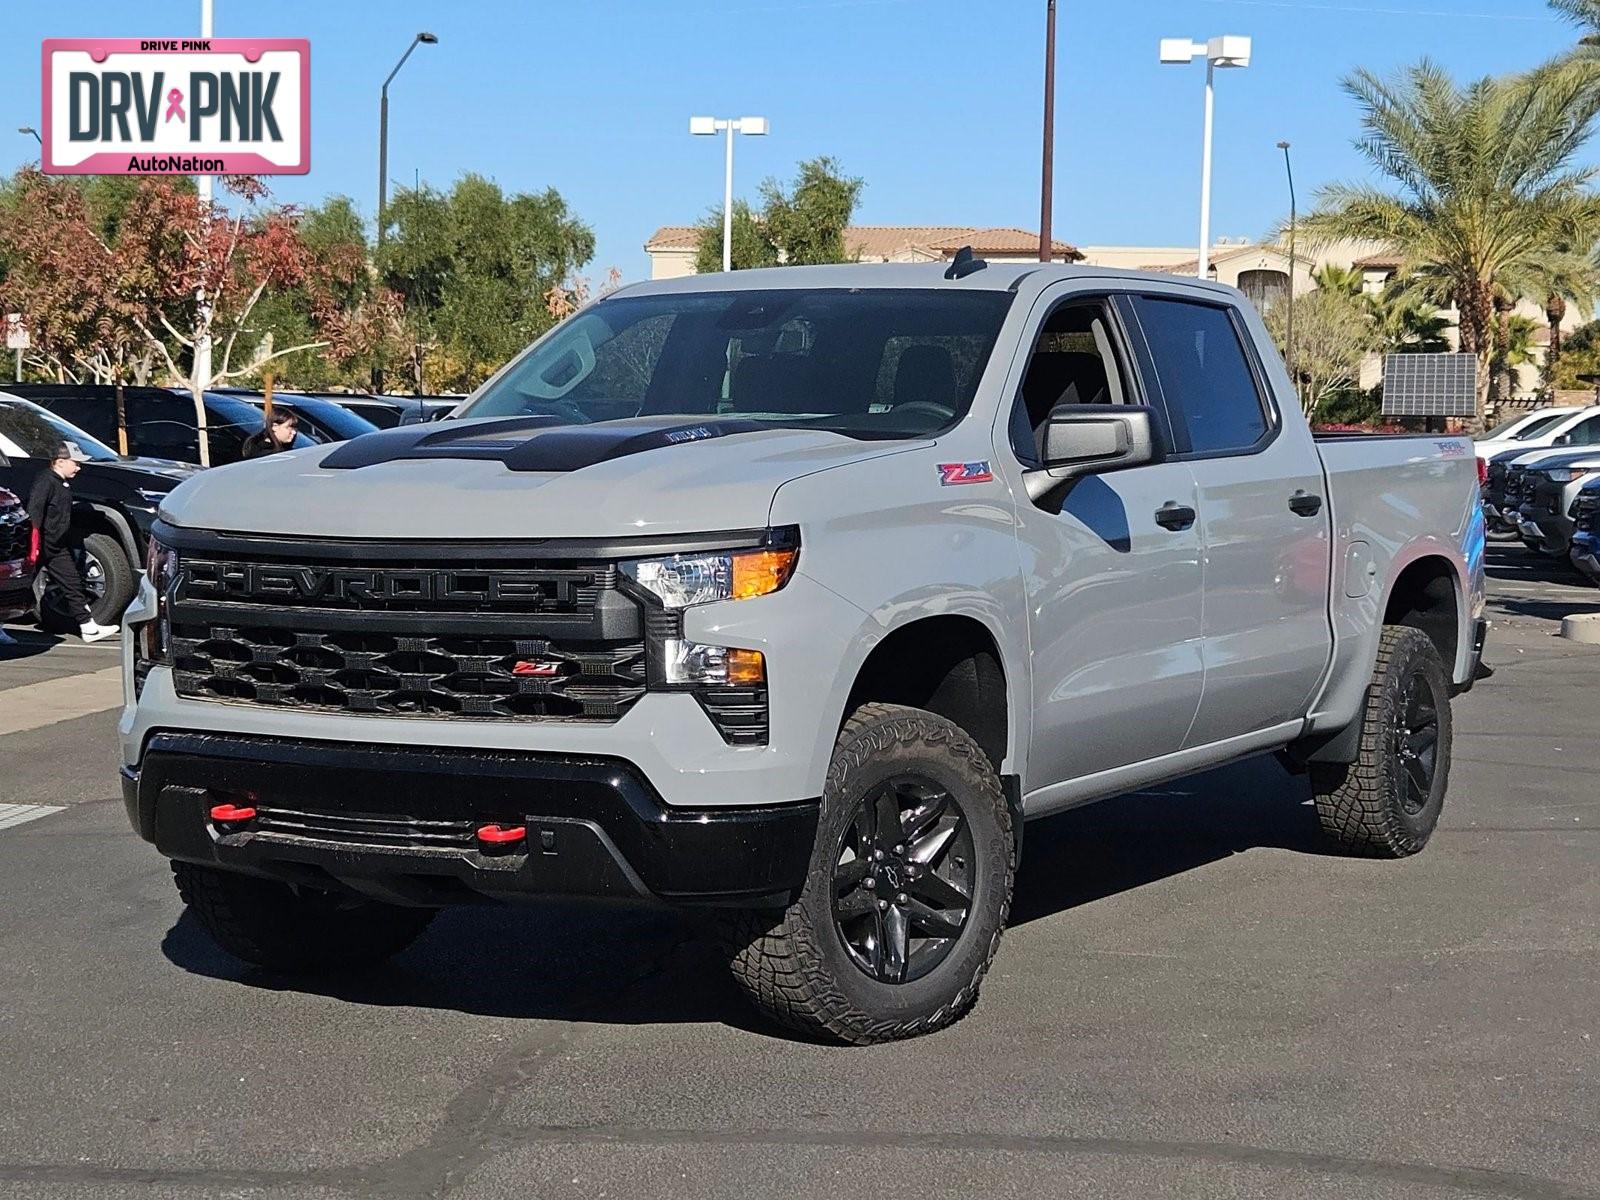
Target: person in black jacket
pixel 279 435
pixel 50 507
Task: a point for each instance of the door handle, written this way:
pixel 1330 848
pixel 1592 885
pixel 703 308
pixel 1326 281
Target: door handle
pixel 1174 516
pixel 1304 504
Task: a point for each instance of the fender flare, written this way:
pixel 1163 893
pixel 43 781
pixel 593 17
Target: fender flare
pixel 121 530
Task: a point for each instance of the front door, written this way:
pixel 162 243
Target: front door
pixel 1111 565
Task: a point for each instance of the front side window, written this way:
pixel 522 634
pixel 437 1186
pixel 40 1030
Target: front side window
pixel 869 363
pixel 1073 362
pixel 1584 433
pixel 1206 379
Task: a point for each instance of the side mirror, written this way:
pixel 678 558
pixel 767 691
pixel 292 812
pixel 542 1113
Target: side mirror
pixel 1564 440
pixel 1087 439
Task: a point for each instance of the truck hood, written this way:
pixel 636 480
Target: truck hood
pixel 519 479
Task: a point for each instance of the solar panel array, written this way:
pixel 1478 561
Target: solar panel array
pixel 1430 385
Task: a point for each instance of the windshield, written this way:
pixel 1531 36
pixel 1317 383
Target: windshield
pixel 871 363
pixel 1535 427
pixel 337 420
pixel 36 432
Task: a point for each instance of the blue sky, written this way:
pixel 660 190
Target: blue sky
pixel 935 102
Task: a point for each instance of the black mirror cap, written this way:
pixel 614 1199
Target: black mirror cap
pixel 1082 439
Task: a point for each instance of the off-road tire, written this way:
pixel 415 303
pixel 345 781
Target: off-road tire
pixel 793 964
pixel 295 930
pixel 1362 805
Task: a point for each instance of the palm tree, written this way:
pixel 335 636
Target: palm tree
pixel 1585 14
pixel 1564 280
pixel 1514 343
pixel 1406 323
pixel 1484 184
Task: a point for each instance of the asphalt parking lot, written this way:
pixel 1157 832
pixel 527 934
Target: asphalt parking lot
pixel 1194 998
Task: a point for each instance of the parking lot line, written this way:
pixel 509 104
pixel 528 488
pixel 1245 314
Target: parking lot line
pixel 17 814
pixel 34 705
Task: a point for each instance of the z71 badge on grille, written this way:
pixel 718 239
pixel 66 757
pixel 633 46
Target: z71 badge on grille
pixel 951 474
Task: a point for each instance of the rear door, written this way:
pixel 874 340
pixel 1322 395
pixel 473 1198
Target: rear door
pixel 1264 521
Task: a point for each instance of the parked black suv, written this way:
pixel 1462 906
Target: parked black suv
pixel 161 423
pixel 19 557
pixel 114 499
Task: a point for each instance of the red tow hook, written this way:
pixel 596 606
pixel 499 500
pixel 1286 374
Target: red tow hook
pixel 232 814
pixel 501 837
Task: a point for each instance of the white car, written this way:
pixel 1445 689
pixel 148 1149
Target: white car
pixel 1572 426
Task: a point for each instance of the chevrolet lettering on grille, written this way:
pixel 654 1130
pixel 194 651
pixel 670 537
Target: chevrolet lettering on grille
pixel 268 583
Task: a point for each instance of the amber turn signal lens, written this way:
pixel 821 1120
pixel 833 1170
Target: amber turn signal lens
pixel 746 667
pixel 762 571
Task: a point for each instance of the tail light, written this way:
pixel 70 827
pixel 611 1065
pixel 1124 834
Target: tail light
pixel 1483 471
pixel 32 560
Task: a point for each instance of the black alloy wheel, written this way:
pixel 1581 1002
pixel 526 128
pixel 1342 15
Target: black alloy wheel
pixel 1416 741
pixel 903 880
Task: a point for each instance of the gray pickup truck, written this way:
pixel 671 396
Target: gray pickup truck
pixel 788 596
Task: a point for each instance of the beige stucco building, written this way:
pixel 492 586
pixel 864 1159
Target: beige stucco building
pixel 672 247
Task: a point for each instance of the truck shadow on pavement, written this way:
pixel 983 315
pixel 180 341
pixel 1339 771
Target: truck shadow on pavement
pixel 30 643
pixel 626 965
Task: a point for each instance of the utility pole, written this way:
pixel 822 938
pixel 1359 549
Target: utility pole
pixel 202 343
pixel 421 39
pixel 1293 220
pixel 1047 174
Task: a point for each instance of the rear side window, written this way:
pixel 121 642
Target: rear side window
pixel 1209 387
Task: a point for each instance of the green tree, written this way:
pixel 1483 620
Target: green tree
pixel 473 267
pixel 1333 334
pixel 1485 183
pixel 807 222
pixel 751 246
pixel 800 225
pixel 1585 14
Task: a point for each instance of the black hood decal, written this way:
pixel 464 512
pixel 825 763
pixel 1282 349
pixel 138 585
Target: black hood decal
pixel 540 443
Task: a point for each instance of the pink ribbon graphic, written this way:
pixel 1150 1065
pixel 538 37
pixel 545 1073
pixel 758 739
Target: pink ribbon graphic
pixel 175 106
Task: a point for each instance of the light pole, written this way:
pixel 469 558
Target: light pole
pixel 1047 173
pixel 709 126
pixel 1229 50
pixel 202 339
pixel 1288 167
pixel 32 130
pixel 383 161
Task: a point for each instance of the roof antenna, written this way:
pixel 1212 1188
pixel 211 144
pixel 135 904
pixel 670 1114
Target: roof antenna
pixel 964 264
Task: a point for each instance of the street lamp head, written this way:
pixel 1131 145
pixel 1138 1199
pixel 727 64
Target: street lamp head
pixel 428 39
pixel 1177 51
pixel 702 126
pixel 1283 145
pixel 1230 50
pixel 755 126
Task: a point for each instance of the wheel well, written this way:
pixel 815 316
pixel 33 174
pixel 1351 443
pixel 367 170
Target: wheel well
pixel 97 520
pixel 946 665
pixel 1424 597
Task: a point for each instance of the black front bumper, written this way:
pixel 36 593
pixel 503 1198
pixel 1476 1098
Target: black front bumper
pixel 399 823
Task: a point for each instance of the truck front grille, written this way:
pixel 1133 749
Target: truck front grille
pixel 407 675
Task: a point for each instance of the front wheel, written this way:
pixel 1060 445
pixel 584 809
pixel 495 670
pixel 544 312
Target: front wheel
pixel 907 892
pixel 297 930
pixel 1387 803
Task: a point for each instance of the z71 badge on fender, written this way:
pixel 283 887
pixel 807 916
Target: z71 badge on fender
pixel 951 474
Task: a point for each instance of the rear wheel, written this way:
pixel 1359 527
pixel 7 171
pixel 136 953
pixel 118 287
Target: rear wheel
pixel 1387 803
pixel 298 930
pixel 908 889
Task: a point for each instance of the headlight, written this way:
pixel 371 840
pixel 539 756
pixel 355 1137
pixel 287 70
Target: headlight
pixel 161 568
pixel 154 498
pixel 684 580
pixel 1568 474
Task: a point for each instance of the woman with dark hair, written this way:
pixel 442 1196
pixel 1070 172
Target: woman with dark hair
pixel 276 435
